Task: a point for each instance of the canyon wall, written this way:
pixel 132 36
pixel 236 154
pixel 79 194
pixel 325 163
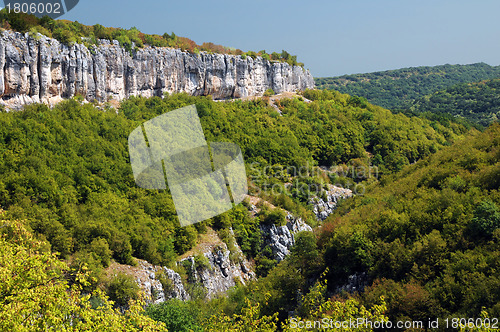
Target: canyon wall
pixel 41 69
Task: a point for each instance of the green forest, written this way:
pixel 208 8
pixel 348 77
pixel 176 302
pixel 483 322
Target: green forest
pixel 70 199
pixel 477 102
pixel 398 89
pixel 414 239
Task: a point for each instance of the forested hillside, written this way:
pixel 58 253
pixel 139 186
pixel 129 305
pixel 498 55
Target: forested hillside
pixel 397 89
pixel 428 237
pixel 67 169
pixel 477 102
pixel 422 244
pixel 66 172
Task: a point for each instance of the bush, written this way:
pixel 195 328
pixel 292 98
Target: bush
pixel 166 283
pixel 201 262
pixel 101 249
pixel 276 217
pixel 269 93
pixel 122 288
pixel 185 238
pixel 486 219
pixel 177 315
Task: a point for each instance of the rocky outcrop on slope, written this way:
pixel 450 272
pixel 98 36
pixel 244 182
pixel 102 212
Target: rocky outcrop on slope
pixel 222 273
pixel 322 207
pixel 43 70
pixel 149 278
pixel 218 275
pixel 281 238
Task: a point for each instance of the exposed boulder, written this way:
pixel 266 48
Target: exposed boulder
pixel 150 277
pixel 222 272
pixel 322 208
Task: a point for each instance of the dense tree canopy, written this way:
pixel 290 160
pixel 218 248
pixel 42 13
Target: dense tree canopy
pixel 477 102
pixel 398 89
pixel 66 171
pixel 432 230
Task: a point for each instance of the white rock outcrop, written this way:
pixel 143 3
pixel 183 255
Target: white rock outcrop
pixel 44 70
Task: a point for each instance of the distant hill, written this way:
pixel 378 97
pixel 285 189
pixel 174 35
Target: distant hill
pixel 477 102
pixel 398 89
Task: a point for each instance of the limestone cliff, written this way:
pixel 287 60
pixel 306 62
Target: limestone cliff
pixel 281 238
pixel 43 70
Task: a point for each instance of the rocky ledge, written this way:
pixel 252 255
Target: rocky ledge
pixel 216 276
pixel 281 238
pixel 323 207
pixel 151 279
pixel 41 69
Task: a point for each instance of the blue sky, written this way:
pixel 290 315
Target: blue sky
pixel 332 38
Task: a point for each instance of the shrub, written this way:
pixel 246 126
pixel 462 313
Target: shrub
pixel 122 288
pixel 177 315
pixel 276 217
pixel 486 219
pixel 201 262
pixel 269 93
pixel 185 238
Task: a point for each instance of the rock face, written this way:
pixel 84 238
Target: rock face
pixel 281 238
pixel 321 208
pixel 43 70
pixel 149 280
pixel 222 272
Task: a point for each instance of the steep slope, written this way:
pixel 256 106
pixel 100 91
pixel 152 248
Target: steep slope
pixel 41 69
pixel 428 237
pixel 397 89
pixel 477 102
pixel 68 168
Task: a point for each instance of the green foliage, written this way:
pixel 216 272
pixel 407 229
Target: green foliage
pixel 274 217
pixel 398 89
pixel 36 295
pixel 305 253
pixel 201 262
pixel 428 236
pixel 177 315
pixel 166 283
pixel 100 248
pixel 269 93
pixel 264 262
pixel 229 239
pixel 66 170
pixel 69 33
pixel 316 308
pixel 122 288
pixel 486 219
pixel 185 239
pixel 250 318
pixel 475 102
pixel 197 291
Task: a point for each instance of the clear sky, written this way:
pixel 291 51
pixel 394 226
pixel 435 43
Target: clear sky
pixel 332 37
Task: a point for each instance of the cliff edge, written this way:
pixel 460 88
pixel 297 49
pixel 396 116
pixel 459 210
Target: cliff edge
pixel 41 69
